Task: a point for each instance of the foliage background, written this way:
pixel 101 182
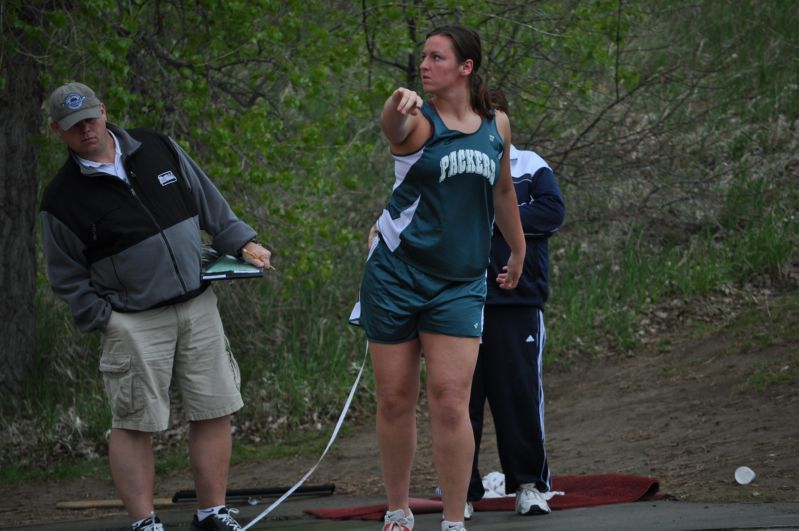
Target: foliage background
pixel 671 125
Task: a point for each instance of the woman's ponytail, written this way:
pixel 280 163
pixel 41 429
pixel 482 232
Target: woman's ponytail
pixel 479 96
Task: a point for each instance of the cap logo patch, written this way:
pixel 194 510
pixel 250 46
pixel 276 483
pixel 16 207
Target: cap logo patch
pixel 73 101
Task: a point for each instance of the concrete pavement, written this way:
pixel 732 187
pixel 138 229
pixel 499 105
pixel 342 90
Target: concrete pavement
pixel 644 515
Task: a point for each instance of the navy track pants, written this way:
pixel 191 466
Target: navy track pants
pixel 509 375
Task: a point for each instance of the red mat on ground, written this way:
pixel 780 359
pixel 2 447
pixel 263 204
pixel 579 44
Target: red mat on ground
pixel 580 491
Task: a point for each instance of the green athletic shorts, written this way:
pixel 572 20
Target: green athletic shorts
pixel 397 301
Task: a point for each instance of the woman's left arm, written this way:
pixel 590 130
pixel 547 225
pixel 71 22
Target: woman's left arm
pixel 506 212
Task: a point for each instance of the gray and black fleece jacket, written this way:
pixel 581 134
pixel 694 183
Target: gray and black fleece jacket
pixel 111 245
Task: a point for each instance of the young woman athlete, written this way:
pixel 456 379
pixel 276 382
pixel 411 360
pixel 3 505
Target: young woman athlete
pixel 424 284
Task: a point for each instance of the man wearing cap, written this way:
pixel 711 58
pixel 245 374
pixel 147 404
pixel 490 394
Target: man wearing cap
pixel 121 226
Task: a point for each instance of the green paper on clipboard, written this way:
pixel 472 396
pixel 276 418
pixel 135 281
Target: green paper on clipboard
pixel 227 267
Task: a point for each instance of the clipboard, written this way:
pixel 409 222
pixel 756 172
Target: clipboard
pixel 227 267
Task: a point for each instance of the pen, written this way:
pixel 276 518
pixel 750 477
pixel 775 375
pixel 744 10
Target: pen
pixel 254 256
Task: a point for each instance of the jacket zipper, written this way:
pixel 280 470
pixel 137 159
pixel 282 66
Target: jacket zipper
pixel 132 176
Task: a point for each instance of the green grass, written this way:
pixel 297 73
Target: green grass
pixel 294 445
pixel 303 444
pixel 762 332
pixel 600 292
pixel 168 460
pixel 770 323
pixel 11 474
pixel 664 345
pixel 668 372
pixel 768 375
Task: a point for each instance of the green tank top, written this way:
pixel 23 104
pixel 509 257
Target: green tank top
pixel 440 214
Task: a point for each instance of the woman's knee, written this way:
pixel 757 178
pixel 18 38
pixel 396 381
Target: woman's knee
pixel 396 403
pixel 449 409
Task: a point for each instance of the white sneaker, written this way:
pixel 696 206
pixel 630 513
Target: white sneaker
pixel 468 511
pixel 152 523
pixel 530 501
pixel 446 525
pixel 397 521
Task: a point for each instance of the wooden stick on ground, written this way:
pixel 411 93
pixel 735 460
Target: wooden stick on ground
pixel 106 504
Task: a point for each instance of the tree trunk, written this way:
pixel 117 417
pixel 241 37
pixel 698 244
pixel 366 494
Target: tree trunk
pixel 21 95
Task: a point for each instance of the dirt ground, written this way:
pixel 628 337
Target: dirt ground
pixel 683 409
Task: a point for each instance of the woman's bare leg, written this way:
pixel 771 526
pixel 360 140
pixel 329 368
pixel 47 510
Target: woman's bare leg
pixel 396 368
pixel 450 365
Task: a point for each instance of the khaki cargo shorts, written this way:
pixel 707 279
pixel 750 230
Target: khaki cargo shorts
pixel 144 351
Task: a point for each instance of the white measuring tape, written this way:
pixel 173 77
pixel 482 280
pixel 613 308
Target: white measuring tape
pixel 329 444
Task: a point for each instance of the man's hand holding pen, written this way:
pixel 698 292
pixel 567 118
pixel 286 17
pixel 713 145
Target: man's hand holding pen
pixel 257 255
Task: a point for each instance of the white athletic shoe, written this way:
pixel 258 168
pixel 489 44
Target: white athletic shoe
pixel 397 521
pixel 530 501
pixel 446 525
pixel 152 523
pixel 468 511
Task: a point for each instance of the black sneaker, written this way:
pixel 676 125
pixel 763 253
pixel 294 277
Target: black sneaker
pixel 150 524
pixel 221 521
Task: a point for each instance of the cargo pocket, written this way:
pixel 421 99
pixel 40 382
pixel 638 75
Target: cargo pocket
pixel 120 385
pixel 234 365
